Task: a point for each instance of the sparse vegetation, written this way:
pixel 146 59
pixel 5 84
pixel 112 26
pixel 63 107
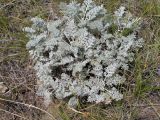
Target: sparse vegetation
pixel 142 89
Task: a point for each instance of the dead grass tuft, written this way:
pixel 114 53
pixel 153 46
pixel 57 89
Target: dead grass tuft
pixel 20 81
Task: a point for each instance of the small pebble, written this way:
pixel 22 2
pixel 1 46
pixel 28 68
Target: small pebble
pixel 3 88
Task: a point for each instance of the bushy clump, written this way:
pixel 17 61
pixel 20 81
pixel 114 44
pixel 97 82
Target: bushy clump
pixel 81 54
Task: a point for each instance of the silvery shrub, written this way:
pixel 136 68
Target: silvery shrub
pixel 81 53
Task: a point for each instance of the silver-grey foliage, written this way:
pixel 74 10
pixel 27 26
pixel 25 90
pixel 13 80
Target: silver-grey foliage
pixel 81 53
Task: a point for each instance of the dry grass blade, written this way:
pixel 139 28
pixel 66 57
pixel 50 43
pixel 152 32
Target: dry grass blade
pixel 13 114
pixel 144 105
pixel 30 106
pixel 155 110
